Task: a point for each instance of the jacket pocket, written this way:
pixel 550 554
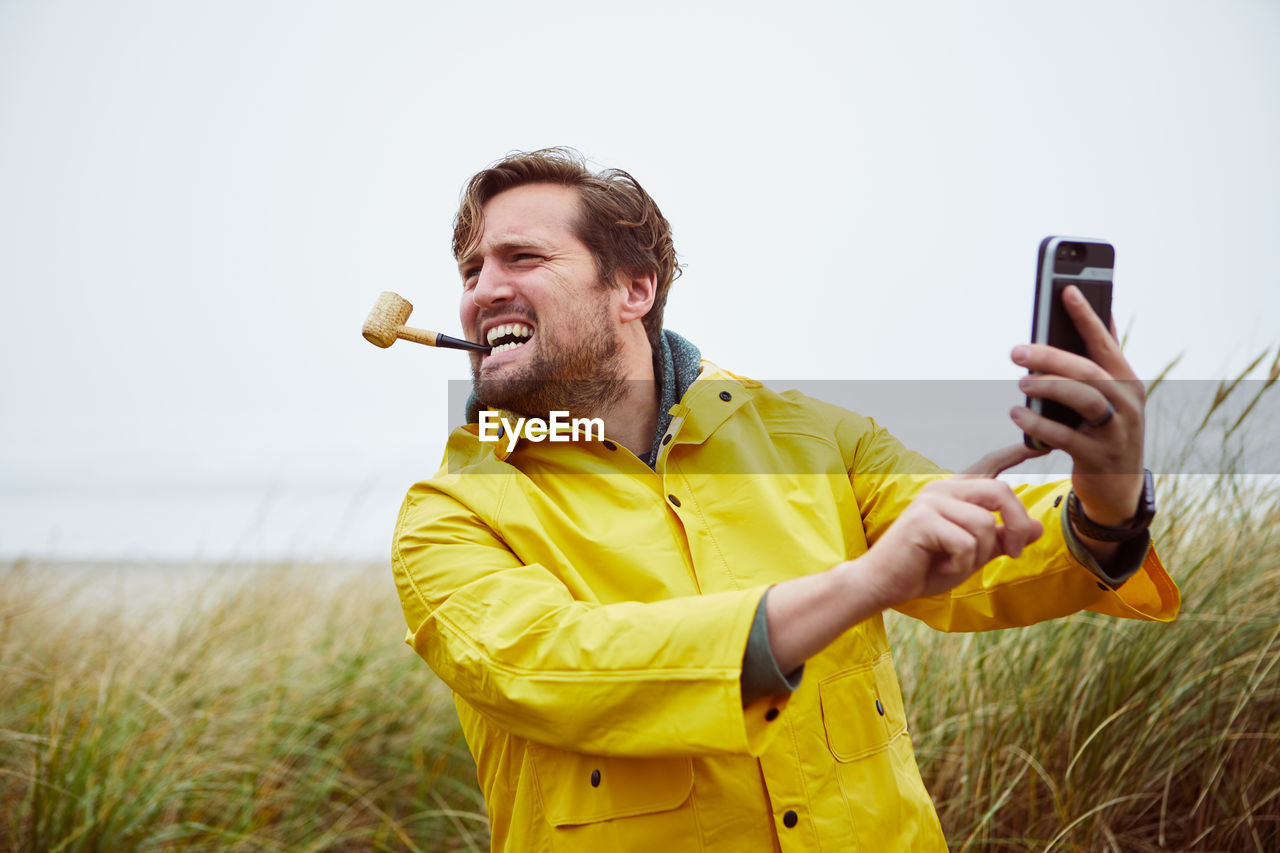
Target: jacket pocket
pixel 862 709
pixel 577 789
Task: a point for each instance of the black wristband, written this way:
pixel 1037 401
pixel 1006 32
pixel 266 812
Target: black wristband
pixel 1103 533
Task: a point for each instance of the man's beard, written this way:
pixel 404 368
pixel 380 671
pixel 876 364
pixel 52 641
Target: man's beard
pixel 583 378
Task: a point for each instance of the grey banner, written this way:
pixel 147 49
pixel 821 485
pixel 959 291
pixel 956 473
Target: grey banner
pixel 1206 427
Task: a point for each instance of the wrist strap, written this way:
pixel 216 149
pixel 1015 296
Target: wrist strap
pixel 1105 533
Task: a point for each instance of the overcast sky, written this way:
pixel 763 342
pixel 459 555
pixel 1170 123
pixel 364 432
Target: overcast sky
pixel 200 201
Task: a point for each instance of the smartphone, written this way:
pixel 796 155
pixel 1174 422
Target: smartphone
pixel 1066 261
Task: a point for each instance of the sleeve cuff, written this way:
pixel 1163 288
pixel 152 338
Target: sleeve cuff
pixel 1124 565
pixel 760 674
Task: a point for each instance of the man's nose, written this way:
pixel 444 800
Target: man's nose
pixel 493 287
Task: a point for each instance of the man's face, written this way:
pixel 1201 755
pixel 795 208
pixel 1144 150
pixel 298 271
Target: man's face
pixel 531 290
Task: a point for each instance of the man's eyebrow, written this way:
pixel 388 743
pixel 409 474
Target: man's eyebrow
pixel 505 244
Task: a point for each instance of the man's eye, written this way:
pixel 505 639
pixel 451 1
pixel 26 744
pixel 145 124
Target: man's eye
pixel 525 256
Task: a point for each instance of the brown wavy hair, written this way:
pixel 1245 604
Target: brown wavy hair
pixel 617 220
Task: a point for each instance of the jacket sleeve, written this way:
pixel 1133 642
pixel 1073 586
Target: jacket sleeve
pixel 629 678
pixel 1044 582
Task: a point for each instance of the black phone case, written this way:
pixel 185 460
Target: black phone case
pixel 1064 335
pixel 1061 332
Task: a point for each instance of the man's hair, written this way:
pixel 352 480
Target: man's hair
pixel 617 220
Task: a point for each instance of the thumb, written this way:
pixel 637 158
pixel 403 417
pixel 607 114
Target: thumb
pixel 999 460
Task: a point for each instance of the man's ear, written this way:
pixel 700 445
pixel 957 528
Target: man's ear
pixel 637 290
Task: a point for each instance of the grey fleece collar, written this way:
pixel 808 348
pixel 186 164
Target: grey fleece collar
pixel 676 365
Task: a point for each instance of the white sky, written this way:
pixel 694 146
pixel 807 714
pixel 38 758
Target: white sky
pixel 199 203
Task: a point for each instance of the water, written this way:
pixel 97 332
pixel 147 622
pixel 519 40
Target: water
pixel 205 523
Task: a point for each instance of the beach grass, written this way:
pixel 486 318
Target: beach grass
pixel 1091 733
pixel 279 713
pixel 282 711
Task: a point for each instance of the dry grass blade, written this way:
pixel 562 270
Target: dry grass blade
pixel 1225 388
pixel 1273 373
pixel 1155 383
pixel 1093 734
pixel 1053 842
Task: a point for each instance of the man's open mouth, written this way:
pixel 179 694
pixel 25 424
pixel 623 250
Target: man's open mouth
pixel 508 336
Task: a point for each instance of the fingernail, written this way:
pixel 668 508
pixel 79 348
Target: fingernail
pixel 1021 354
pixel 1025 383
pixel 1016 412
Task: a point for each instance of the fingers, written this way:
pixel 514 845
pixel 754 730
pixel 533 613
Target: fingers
pixel 983 544
pixel 1103 389
pixel 1000 460
pixel 1105 360
pixel 970 502
pixel 958 548
pixel 1042 358
pixel 1103 344
pixel 1052 433
pixel 949 531
pixel 1088 400
pixel 1112 429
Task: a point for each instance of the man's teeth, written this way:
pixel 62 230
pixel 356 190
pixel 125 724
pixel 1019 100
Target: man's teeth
pixel 504 333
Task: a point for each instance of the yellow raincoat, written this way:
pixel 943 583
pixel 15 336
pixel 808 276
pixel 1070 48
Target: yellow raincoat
pixel 591 613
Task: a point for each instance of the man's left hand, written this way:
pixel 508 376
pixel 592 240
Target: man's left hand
pixel 1106 451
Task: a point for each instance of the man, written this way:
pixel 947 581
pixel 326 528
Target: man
pixel 671 638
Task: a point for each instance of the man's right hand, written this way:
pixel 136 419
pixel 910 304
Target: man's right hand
pixel 946 534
